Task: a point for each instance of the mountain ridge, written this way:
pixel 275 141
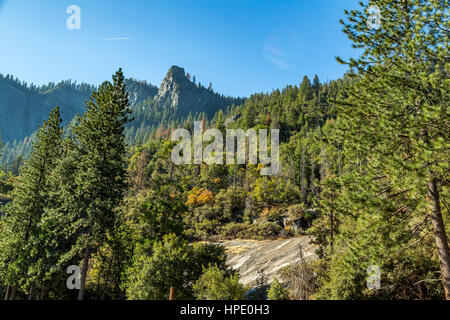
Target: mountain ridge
pixel 23 107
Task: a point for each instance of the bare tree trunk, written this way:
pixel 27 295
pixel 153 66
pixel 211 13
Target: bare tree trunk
pixel 87 254
pixel 42 297
pixel 30 292
pixel 440 236
pixel 7 292
pixel 13 293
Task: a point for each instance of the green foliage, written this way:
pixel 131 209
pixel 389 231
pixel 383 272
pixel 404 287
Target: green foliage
pixel 214 284
pixel 6 182
pixel 66 196
pixel 275 191
pixel 384 207
pixel 277 291
pixel 172 263
pixel 21 243
pixel 161 216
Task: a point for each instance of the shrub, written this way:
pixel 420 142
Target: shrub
pixel 275 215
pixel 296 211
pixel 173 263
pixel 276 291
pixel 275 191
pixel 199 197
pixel 215 284
pixel 234 229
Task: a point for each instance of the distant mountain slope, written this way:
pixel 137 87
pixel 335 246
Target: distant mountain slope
pixel 140 90
pixel 24 107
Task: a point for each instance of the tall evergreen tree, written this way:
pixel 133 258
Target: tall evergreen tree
pixel 20 232
pixel 305 89
pixel 101 174
pixel 316 85
pixel 395 125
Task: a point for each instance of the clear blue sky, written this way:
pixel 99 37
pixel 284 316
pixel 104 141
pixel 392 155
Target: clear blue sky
pixel 241 46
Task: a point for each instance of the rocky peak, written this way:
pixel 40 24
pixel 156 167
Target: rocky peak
pixel 176 73
pixel 176 89
pixel 183 96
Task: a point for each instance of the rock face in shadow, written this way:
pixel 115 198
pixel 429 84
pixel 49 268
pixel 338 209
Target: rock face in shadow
pixel 23 107
pixel 251 257
pixel 181 95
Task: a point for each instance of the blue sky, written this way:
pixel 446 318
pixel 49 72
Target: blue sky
pixel 241 46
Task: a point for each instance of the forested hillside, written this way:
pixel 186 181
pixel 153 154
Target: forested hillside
pixel 364 173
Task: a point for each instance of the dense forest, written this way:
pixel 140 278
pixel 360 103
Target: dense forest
pixel 364 174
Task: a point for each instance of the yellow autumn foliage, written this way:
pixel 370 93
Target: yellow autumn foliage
pixel 199 197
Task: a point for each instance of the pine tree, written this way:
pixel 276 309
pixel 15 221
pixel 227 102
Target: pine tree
pixel 21 232
pixel 101 174
pixel 395 122
pixel 316 85
pixel 305 90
